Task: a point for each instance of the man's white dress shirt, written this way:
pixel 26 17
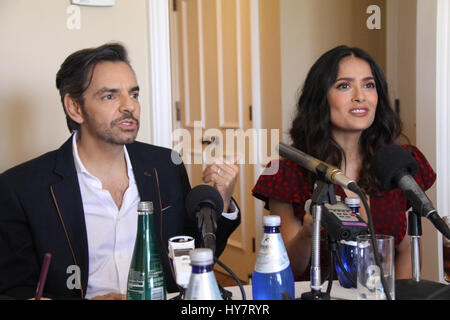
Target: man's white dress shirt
pixel 111 231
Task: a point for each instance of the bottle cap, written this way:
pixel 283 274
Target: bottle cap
pixel 352 202
pixel 145 206
pixel 201 257
pixel 272 221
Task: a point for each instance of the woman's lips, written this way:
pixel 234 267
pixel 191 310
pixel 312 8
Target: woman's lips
pixel 359 112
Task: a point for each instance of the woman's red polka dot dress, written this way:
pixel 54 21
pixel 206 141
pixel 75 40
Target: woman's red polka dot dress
pixel 387 207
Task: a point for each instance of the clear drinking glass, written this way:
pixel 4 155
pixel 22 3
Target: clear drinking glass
pixel 369 285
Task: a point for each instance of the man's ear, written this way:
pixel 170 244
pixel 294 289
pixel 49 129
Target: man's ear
pixel 73 109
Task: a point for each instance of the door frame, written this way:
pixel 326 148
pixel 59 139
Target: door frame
pixel 432 96
pixel 160 73
pixel 161 86
pixel 442 118
pixel 432 109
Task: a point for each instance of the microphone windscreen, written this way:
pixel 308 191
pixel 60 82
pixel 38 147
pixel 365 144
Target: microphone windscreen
pixel 390 160
pixel 203 196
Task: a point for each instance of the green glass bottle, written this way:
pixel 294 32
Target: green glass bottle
pixel 146 276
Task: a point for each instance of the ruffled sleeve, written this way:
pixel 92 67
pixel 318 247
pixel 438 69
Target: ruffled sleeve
pixel 283 180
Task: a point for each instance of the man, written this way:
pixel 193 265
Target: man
pixel 79 202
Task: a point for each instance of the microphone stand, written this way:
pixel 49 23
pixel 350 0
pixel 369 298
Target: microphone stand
pixel 415 288
pixel 208 226
pixel 323 193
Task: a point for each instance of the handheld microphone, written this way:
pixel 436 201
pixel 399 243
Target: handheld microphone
pixel 395 167
pixel 332 174
pixel 205 204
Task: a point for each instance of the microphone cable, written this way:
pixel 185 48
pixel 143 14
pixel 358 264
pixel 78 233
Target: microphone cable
pixel 330 274
pixel 233 275
pixel 344 270
pixel 334 256
pixel 374 243
pixel 435 295
pixel 225 294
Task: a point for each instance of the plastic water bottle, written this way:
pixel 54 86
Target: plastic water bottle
pixel 272 278
pixel 347 251
pixel 202 283
pixel 353 204
pixel 146 275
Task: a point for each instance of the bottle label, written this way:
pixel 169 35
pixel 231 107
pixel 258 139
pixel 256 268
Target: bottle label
pixel 141 287
pixel 272 255
pixel 136 285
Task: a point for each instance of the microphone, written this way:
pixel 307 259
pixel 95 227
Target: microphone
pixel 395 167
pixel 332 174
pixel 205 204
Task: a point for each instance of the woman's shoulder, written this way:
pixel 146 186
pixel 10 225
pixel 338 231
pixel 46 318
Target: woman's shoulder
pixel 282 180
pixel 415 152
pixel 411 148
pixel 425 174
pixel 283 168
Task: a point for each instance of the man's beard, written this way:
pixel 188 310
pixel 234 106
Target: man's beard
pixel 108 135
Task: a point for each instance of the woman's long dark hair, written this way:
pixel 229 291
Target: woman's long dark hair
pixel 311 128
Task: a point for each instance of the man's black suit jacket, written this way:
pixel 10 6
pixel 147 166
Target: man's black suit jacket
pixel 41 212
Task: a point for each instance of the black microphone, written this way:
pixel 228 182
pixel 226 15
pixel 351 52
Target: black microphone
pixel 395 167
pixel 332 174
pixel 205 204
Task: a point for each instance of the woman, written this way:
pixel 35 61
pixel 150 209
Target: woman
pixel 343 118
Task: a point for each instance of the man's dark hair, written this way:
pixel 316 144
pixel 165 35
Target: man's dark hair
pixel 75 74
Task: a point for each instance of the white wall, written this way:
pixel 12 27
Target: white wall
pixel 34 41
pixel 401 60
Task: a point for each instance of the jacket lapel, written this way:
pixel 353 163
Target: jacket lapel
pixel 69 204
pixel 146 175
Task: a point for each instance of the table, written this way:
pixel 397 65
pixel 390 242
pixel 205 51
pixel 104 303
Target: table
pixel 337 292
